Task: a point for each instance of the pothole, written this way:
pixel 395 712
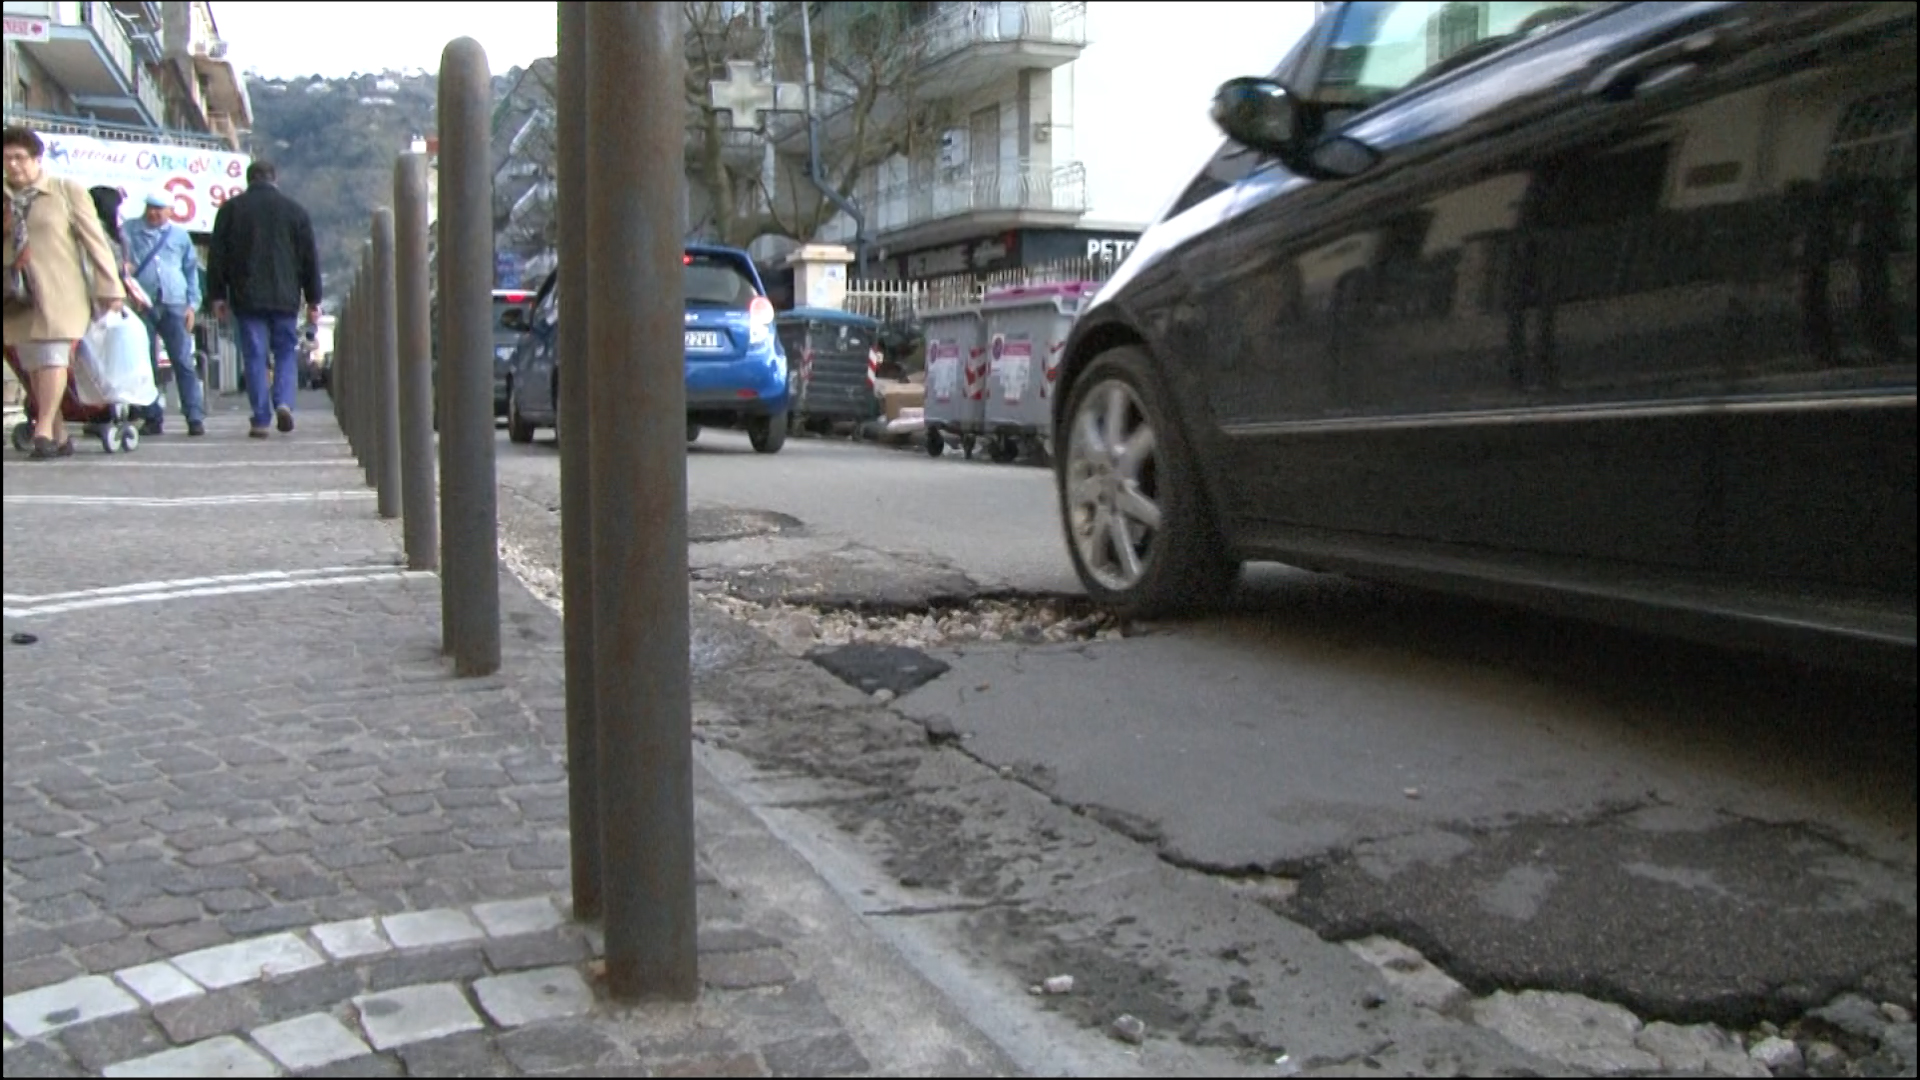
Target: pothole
pixel 713 525
pixel 798 628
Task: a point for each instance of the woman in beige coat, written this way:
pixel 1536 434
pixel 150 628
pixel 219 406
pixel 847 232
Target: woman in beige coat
pixel 72 274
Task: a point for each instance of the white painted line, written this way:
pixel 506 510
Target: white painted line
pixel 122 464
pixel 196 582
pixel 219 590
pixel 191 500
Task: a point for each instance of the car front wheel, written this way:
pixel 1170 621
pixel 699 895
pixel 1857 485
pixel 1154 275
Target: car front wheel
pixel 1143 538
pixel 518 429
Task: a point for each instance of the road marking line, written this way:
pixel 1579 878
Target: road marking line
pixel 224 590
pixel 112 464
pixel 190 500
pixel 200 582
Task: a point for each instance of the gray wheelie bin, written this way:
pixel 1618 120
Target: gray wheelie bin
pixel 1026 329
pixel 956 377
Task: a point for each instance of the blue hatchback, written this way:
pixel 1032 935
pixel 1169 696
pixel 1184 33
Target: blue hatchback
pixel 736 370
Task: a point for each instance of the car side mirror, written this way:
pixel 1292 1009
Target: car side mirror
pixel 1262 114
pixel 514 319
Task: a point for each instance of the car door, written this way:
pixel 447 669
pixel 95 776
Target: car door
pixel 1509 335
pixel 542 340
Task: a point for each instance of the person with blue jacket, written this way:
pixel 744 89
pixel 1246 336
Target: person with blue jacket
pixel 168 270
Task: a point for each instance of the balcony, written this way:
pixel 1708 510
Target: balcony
pixel 97 61
pixel 48 124
pixel 969 46
pixel 982 198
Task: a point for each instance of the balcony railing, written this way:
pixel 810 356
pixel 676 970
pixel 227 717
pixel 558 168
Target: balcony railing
pixel 1013 187
pixel 962 26
pixel 101 129
pixel 106 25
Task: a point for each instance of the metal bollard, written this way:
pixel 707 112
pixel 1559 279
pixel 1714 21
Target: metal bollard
pixel 342 362
pixel 576 484
pixel 469 527
pixel 386 365
pixel 413 340
pixel 349 381
pixel 639 509
pixel 370 370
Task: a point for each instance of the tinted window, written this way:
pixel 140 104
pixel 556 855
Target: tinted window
pixel 1379 49
pixel 716 281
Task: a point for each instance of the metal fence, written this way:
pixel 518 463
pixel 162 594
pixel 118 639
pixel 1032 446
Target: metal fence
pixel 904 301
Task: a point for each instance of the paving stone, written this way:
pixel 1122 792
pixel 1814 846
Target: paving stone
pixel 551 1048
pixel 225 1056
pixel 309 1042
pixel 76 1001
pixel 267 920
pixel 465 1055
pixel 536 951
pixel 38 1059
pixel 744 971
pixel 19 977
pixel 308 991
pixel 415 1014
pixel 351 939
pixel 368 1065
pixel 425 929
pixel 527 997
pixel 731 1065
pixel 507 918
pixel 158 983
pixel 1579 1032
pixel 733 940
pixel 223 1013
pixel 246 961
pixel 192 937
pixel 832 1055
pixel 106 1042
pixel 164 911
pixel 441 965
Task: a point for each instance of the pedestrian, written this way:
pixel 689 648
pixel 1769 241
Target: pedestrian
pixel 262 267
pixel 54 245
pixel 167 269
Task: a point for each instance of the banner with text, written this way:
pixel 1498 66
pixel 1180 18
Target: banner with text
pixel 197 181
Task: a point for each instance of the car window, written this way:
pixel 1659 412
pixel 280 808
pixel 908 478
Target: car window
pixel 502 305
pixel 717 281
pixel 1379 49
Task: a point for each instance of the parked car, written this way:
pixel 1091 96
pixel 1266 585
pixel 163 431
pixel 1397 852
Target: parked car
pixel 836 357
pixel 509 323
pixel 1602 307
pixel 736 370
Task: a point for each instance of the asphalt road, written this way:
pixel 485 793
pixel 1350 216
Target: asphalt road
pixel 1532 802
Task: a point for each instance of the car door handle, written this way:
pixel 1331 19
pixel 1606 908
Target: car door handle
pixel 1662 64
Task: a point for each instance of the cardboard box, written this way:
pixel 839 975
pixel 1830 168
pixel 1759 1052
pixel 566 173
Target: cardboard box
pixel 895 396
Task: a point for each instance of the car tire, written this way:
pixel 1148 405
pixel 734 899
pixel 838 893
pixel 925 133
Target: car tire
pixel 767 433
pixel 693 432
pixel 1153 496
pixel 518 429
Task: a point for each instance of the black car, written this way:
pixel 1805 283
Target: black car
pixel 1604 307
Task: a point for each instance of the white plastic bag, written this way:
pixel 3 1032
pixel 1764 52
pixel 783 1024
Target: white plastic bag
pixel 115 362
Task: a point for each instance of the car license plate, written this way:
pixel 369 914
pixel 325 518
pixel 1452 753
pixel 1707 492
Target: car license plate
pixel 703 339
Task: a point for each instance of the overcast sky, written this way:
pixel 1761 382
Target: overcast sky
pixel 1141 89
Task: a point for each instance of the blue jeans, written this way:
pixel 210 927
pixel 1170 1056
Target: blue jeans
pixel 281 331
pixel 168 323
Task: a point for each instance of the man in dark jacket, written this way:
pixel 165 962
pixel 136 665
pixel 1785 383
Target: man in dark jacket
pixel 264 267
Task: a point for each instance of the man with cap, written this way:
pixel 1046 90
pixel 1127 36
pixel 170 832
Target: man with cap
pixel 168 270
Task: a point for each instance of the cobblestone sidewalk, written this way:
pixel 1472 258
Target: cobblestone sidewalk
pixel 253 826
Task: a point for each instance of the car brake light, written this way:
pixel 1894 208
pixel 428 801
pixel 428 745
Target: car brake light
pixel 760 311
pixel 686 260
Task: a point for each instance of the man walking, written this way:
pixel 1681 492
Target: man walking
pixel 263 266
pixel 168 270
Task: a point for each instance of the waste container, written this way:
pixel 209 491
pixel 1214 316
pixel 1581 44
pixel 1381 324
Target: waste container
pixel 837 357
pixel 956 377
pixel 1026 329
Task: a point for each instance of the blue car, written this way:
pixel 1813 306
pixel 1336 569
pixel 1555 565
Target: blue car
pixel 737 372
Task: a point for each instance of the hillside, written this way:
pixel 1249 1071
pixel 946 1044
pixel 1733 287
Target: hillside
pixel 334 142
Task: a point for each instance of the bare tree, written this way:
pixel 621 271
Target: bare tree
pixel 869 63
pixel 526 150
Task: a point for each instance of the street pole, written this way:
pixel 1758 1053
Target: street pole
pixel 341 377
pixel 639 474
pixel 413 334
pixel 576 483
pixel 386 398
pixel 364 390
pixel 469 527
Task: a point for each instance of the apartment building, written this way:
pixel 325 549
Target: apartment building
pixel 140 96
pixel 986 177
